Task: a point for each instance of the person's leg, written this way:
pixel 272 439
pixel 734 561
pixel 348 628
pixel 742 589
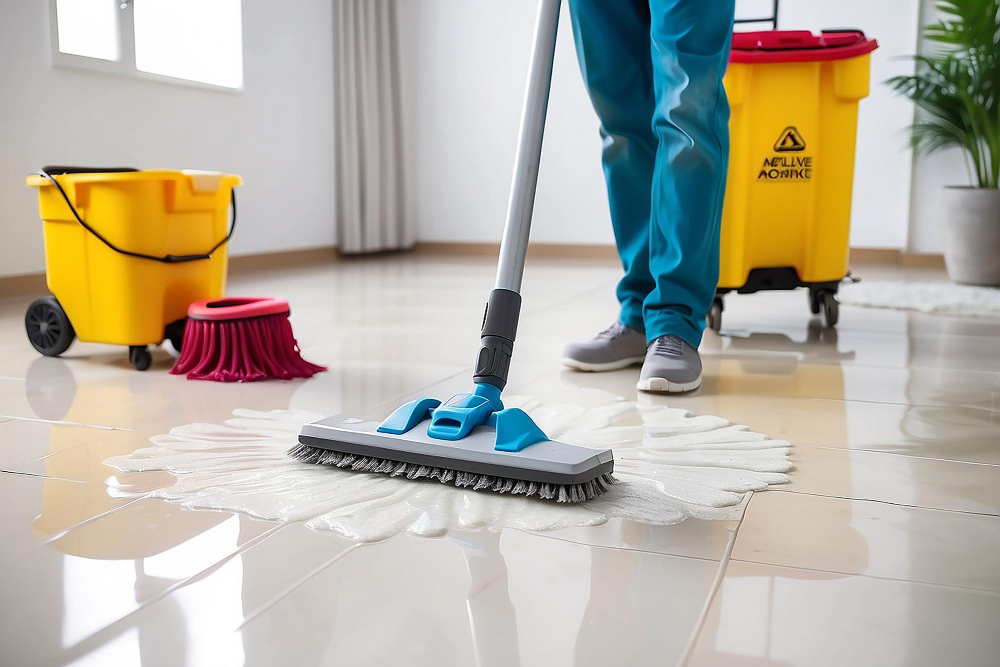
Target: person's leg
pixel 690 50
pixel 612 44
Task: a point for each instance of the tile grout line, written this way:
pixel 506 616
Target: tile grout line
pixel 395 400
pixel 934 406
pixel 83 644
pixel 803 360
pixel 713 591
pixel 88 521
pixel 942 406
pixel 467 369
pixel 555 305
pixel 904 455
pixel 105 485
pixel 211 569
pixel 294 585
pixel 884 502
pixel 71 448
pixel 58 422
pixel 866 576
pixel 546 536
pixel 747 325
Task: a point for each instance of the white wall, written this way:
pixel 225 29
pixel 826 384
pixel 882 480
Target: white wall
pixel 930 174
pixel 463 71
pixel 277 133
pixel 880 212
pixel 464 65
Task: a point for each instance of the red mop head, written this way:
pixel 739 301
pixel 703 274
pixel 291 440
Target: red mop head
pixel 241 340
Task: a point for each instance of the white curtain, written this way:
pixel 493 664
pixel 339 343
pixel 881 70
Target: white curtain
pixel 370 210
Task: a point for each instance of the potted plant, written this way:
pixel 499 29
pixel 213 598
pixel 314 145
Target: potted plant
pixel 957 92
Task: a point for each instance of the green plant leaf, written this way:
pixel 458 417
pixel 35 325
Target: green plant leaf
pixel 957 89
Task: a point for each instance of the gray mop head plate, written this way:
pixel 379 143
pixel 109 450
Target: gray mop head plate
pixel 549 469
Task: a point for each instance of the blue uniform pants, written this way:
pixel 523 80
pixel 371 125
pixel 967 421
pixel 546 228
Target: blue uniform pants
pixel 654 70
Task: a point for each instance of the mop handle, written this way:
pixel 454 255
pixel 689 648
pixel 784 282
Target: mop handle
pixel 514 245
pixel 504 305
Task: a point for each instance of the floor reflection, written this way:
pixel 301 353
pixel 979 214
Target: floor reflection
pixel 492 618
pixel 758 351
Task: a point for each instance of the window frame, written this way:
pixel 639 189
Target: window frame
pixel 125 65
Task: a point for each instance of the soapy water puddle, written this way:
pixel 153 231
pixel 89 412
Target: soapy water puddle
pixel 671 465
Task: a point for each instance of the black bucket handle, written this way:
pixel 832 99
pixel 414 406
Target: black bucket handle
pixel 772 19
pixel 166 259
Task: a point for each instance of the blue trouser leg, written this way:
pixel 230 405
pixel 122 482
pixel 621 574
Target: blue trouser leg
pixel 672 254
pixel 612 44
pixel 690 50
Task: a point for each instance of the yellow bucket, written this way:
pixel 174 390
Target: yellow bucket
pixel 794 98
pixel 126 251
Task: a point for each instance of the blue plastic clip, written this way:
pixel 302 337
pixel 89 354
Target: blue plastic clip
pixel 408 415
pixel 515 430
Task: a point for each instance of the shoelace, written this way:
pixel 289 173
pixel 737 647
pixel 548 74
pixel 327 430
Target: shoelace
pixel 669 345
pixel 615 330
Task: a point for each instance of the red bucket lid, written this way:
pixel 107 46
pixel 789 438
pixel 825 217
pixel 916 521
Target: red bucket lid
pixel 788 46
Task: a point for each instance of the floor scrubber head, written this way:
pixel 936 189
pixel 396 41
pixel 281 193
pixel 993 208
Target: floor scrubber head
pixel 465 443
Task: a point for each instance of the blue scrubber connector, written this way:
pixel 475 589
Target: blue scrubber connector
pixel 460 414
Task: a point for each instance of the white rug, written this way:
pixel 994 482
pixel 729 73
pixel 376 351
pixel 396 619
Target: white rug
pixel 671 465
pixel 940 298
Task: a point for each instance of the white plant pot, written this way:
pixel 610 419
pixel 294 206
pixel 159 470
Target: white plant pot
pixel 972 235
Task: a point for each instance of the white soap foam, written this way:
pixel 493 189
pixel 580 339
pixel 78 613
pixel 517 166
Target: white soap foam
pixel 672 465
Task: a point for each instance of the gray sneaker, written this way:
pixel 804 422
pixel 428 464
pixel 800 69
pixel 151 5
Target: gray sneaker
pixel 671 366
pixel 616 347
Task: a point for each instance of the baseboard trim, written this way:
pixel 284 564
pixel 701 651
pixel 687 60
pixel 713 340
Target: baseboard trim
pixel 536 250
pixel 882 256
pixel 34 283
pixel 28 284
pixel 885 256
pixel 922 260
pixel 896 257
pixel 265 261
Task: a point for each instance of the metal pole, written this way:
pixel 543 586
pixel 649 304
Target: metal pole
pixel 514 245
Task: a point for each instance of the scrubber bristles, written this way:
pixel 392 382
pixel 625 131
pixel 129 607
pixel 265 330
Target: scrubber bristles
pixel 562 493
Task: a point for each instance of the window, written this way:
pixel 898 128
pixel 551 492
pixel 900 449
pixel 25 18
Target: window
pixel 88 28
pixel 187 41
pixel 198 40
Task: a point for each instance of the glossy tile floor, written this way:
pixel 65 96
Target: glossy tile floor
pixel 884 549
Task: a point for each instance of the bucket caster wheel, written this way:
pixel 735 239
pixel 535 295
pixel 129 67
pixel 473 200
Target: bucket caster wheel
pixel 140 357
pixel 814 301
pixel 714 319
pixel 48 328
pixel 831 309
pixel 175 333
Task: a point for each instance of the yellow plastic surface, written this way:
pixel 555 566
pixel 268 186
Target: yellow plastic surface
pixel 113 298
pixel 791 167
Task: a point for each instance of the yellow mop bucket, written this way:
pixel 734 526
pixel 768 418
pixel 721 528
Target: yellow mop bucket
pixel 786 219
pixel 126 252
